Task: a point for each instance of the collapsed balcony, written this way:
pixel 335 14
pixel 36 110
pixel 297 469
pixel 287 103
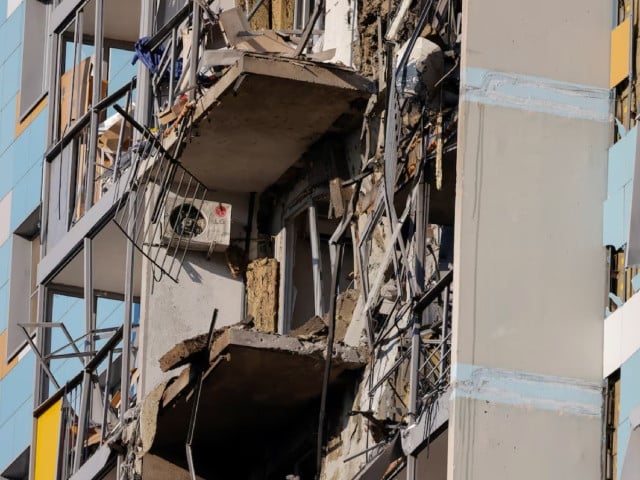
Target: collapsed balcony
pixel 256 389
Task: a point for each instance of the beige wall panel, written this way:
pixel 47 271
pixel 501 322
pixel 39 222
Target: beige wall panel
pixel 564 40
pixel 530 277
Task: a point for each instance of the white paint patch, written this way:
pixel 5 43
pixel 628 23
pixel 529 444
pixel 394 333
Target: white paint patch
pixel 527 390
pixel 12 5
pixel 5 218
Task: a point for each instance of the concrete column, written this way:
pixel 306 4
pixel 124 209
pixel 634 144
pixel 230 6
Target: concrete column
pixel 529 263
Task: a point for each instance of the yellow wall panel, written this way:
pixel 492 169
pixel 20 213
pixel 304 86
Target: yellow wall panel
pixel 620 38
pixel 47 441
pixel 4 366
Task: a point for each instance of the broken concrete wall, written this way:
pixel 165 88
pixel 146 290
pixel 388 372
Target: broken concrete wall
pixel 262 293
pixel 271 15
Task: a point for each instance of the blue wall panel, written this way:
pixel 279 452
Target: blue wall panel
pixel 617 207
pixel 629 399
pixel 20 173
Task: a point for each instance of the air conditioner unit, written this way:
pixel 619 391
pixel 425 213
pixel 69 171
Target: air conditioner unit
pixel 195 224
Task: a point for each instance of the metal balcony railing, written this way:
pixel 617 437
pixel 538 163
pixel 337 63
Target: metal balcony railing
pixel 156 184
pixel 90 400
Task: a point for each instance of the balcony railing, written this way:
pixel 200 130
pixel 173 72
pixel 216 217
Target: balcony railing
pixel 84 426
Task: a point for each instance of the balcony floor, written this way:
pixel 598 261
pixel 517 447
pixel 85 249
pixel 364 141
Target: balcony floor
pixel 263 114
pixel 261 386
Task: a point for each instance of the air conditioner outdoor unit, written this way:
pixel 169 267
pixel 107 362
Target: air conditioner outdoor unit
pixel 196 225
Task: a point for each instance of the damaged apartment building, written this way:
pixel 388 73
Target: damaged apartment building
pixel 341 239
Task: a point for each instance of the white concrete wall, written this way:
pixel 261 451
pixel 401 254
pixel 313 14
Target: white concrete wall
pixel 172 312
pixel 530 269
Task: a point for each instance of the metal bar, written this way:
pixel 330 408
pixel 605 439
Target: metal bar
pixel 77 37
pixel 425 299
pixel 156 40
pixel 395 366
pixel 105 407
pixel 82 421
pixel 631 58
pixel 144 130
pixel 147 177
pixel 115 96
pixel 72 342
pixel 414 380
pixel 195 50
pixel 75 381
pixel 116 163
pixel 379 279
pixel 335 274
pixel 97 91
pixel 172 66
pixel 174 235
pixel 73 130
pixel 178 193
pixel 89 318
pixel 255 9
pixel 316 261
pixel 445 328
pixel 196 401
pixel 43 364
pixel 306 34
pixel 128 313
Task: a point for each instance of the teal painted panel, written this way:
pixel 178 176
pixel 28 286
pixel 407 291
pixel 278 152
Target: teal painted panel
pixel 11 33
pixel 17 387
pixel 5 261
pixel 22 427
pixel 26 195
pixel 4 307
pixel 3 9
pixel 7 123
pixel 614 220
pixel 623 432
pixel 629 399
pixel 620 161
pixel 6 165
pixel 629 384
pixel 19 157
pixel 37 133
pixel 11 76
pixel 6 444
pixel 15 433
